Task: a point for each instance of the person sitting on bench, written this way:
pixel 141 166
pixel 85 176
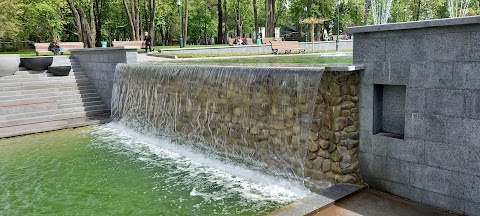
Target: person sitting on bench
pixel 54 47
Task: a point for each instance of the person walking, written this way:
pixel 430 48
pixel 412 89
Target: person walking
pixel 147 42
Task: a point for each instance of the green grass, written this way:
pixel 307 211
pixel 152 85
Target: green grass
pixel 205 55
pixel 300 59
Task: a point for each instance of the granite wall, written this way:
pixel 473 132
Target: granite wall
pixel 420 110
pixel 99 65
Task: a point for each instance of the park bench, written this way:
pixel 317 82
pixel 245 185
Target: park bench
pixel 268 40
pixel 286 46
pixel 129 44
pixel 231 41
pixel 66 46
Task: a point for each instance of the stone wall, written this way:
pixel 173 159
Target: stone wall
pixel 99 65
pixel 334 136
pixel 292 118
pixel 428 74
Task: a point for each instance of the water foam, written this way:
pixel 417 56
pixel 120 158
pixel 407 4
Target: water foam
pixel 203 171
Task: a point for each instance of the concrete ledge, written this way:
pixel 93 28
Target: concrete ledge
pixel 217 47
pixel 314 202
pixel 162 55
pixel 344 68
pixel 103 49
pixel 415 25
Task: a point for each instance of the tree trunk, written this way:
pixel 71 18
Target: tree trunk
pixel 220 23
pixel 185 25
pixel 239 20
pixel 225 22
pixel 311 25
pixel 93 30
pixel 146 16
pixel 98 22
pixel 137 20
pixel 418 9
pixel 76 17
pixel 270 18
pixel 87 31
pixel 367 11
pixel 153 7
pixel 255 18
pixel 130 18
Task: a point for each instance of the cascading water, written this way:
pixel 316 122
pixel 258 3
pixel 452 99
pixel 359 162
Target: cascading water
pixel 262 114
pixel 298 120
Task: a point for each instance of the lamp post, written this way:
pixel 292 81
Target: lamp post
pixel 179 3
pixel 338 25
pixel 404 14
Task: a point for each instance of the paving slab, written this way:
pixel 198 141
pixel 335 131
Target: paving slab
pixel 374 203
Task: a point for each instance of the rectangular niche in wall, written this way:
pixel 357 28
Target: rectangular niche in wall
pixel 389 110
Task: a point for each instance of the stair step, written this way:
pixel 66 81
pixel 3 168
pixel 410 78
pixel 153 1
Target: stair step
pixel 30 106
pixel 81 90
pixel 51 112
pixel 66 105
pixel 43 74
pixel 42 82
pixel 17 78
pixel 61 99
pixel 47 118
pixel 32 87
pixel 53 125
pixel 53 95
pixel 27 78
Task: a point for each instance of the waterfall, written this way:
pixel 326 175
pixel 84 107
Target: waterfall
pixel 262 114
pixel 381 11
pixel 299 121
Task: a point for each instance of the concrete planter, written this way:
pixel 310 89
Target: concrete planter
pixel 37 63
pixel 60 70
pixel 9 64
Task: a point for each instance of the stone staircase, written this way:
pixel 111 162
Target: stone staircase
pixel 32 101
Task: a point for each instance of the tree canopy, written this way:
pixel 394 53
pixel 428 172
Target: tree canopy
pixel 92 21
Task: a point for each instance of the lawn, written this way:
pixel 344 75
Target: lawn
pixel 297 60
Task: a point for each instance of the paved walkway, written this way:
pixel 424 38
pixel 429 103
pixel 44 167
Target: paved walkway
pixel 143 57
pixel 374 203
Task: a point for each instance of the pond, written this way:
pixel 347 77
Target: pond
pixel 112 170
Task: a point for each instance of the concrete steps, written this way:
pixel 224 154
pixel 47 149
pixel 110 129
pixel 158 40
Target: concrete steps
pixel 53 125
pixel 32 101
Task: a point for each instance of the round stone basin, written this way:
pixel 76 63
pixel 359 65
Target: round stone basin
pixel 9 64
pixel 59 70
pixel 37 63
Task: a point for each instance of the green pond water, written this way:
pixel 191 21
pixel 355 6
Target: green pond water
pixel 110 170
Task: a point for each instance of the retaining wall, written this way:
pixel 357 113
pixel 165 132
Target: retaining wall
pixel 99 65
pixel 420 110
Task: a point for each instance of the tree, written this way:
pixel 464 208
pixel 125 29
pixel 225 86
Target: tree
pixel 10 13
pixel 86 32
pixel 255 17
pixel 238 19
pixel 133 13
pixel 270 18
pixel 185 24
pixel 220 22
